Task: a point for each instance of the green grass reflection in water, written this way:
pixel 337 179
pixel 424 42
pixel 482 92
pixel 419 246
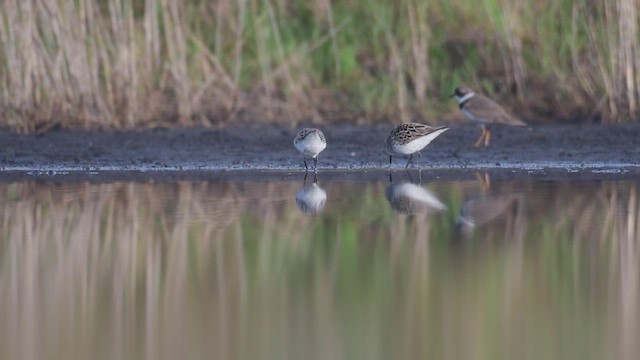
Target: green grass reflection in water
pixel 548 270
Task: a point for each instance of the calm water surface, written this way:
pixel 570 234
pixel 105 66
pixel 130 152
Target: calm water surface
pixel 273 270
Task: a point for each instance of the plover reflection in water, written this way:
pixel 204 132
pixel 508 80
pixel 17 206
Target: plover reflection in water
pixel 408 139
pixel 484 209
pixel 310 142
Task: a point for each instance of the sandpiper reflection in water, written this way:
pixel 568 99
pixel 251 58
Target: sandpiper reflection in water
pixel 311 198
pixel 409 198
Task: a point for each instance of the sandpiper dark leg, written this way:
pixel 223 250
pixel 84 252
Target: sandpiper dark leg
pixel 390 160
pixel 315 163
pixel 305 163
pixel 409 162
pixel 410 177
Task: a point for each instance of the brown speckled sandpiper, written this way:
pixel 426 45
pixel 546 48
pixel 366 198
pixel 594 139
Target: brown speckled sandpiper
pixel 408 139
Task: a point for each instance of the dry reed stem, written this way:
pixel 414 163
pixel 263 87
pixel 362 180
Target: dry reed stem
pixel 629 53
pixel 419 46
pixel 396 68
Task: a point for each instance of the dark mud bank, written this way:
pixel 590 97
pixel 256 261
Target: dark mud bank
pixel 570 148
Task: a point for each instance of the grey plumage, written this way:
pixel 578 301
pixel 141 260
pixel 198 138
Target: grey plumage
pixel 303 133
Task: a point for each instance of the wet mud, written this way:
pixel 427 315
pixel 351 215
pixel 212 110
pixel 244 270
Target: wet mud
pixel 209 153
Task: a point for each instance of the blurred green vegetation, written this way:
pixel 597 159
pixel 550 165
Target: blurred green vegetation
pixel 133 63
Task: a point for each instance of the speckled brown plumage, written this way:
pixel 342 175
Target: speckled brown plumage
pixel 408 139
pixel 405 133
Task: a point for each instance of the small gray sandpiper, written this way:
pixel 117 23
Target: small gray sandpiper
pixel 310 142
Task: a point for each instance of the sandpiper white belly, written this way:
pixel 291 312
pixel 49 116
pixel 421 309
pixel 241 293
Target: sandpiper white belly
pixel 416 145
pixel 311 145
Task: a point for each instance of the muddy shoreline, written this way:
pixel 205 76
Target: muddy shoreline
pixel 267 150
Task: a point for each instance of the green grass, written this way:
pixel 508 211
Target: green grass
pixel 137 63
